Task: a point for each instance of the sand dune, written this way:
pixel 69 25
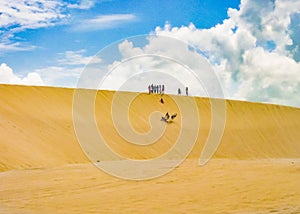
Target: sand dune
pixel 256 168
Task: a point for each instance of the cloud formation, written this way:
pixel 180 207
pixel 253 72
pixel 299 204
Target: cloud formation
pixel 104 22
pixel 21 15
pixel 163 60
pixel 65 73
pixel 59 76
pixel 68 67
pixel 15 46
pixel 76 58
pixel 29 14
pixel 83 4
pixel 17 16
pixel 253 51
pixel 7 76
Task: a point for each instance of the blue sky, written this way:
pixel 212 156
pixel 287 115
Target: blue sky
pixel 253 45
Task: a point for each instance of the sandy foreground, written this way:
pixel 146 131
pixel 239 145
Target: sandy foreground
pixel 43 169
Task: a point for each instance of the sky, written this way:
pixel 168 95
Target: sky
pixel 253 46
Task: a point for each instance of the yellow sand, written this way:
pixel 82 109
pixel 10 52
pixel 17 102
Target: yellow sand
pixel 43 169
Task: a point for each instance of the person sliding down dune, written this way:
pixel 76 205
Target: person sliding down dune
pixel 167 116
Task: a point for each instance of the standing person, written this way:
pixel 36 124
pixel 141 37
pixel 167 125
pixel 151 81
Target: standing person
pixel 186 91
pixel 163 89
pixel 159 89
pixel 179 91
pixel 149 89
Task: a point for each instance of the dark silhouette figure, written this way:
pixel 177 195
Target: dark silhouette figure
pixel 173 116
pixel 167 116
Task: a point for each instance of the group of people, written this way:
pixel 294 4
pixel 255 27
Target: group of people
pixel 156 89
pixel 160 89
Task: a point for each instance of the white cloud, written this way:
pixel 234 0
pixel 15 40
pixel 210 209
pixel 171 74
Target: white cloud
pixel 269 77
pixel 104 22
pixel 29 14
pixel 16 16
pixel 77 58
pixel 83 4
pixel 161 61
pixel 16 46
pixel 66 73
pixel 127 49
pixel 60 76
pixel 267 20
pixel 7 76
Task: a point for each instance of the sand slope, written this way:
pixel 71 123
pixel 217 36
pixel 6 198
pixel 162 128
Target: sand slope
pixel 256 169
